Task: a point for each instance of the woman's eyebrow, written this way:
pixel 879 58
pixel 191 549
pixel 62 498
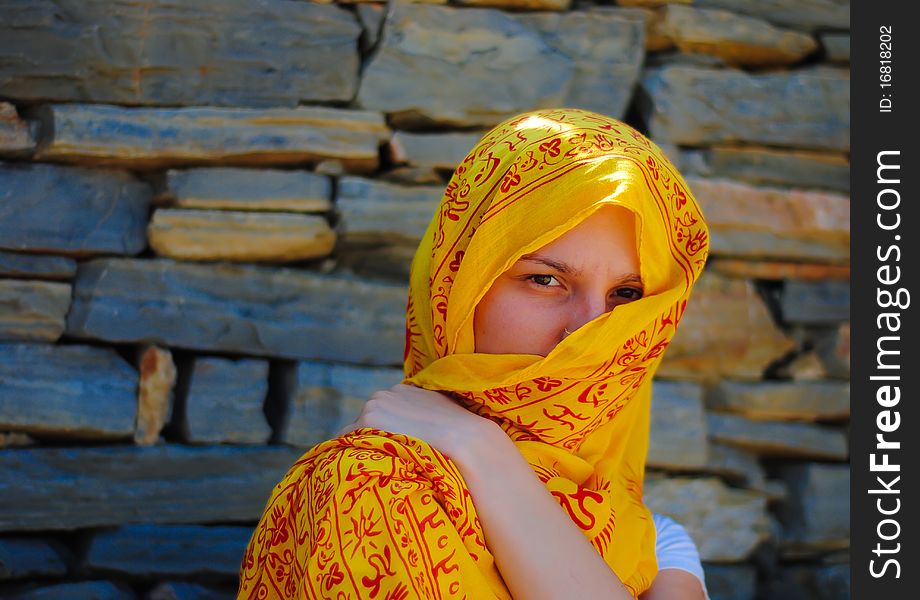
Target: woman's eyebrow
pixel 569 270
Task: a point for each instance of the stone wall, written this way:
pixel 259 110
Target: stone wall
pixel 207 212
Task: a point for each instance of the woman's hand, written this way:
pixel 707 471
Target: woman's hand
pixel 429 416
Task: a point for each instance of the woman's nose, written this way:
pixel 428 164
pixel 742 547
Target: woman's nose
pixel 588 309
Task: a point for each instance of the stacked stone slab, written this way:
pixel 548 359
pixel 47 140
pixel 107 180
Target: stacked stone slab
pixel 207 216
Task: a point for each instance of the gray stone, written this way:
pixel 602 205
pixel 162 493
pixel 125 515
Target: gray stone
pixel 163 137
pixel 248 189
pixel 224 402
pixel 17 137
pixel 678 428
pixel 371 17
pixel 31 558
pixel 776 438
pixel 413 176
pixel 836 46
pixel 736 465
pixel 378 211
pixel 606 47
pixel 800 14
pixel 816 302
pixel 36 266
pixel 730 582
pixel 239 308
pixel 232 53
pixel 71 210
pixel 781 400
pixel 155 551
pixel 736 39
pixel 803 581
pixel 433 150
pixel 833 349
pixel 434 65
pixel 726 524
pixel 795 168
pixel 323 398
pixel 807 108
pixel 519 4
pixel 816 515
pixel 83 590
pixel 69 488
pixel 67 391
pixel 181 590
pixel 33 310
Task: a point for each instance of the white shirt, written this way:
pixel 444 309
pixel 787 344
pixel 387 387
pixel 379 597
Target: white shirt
pixel 675 549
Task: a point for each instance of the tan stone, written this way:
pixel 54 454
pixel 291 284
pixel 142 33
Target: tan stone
pixel 778 438
pixel 652 3
pixel 782 400
pixel 192 234
pixel 805 367
pixel 778 270
pixel 433 150
pixel 413 176
pixel 151 137
pixel 15 134
pixel 154 394
pixel 248 189
pixel 734 38
pixel 33 310
pixel 726 332
pixel 834 351
pixel 518 4
pixel 656 39
pixel 726 524
pixel 765 222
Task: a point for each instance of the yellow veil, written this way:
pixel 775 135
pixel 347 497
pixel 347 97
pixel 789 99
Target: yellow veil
pixel 379 515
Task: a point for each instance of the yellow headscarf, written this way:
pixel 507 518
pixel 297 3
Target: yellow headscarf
pixel 379 515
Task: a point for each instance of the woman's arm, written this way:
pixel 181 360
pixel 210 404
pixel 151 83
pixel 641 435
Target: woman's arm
pixel 541 554
pixel 680 575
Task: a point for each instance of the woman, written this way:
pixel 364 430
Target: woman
pixel 542 297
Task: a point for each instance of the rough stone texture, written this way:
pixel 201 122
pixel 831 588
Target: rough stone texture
pixel 154 394
pixel 33 310
pixel 800 14
pixel 15 440
pixel 806 366
pixel 726 331
pixel 69 210
pixel 16 136
pixel 156 551
pixel 805 401
pixel 816 302
pixel 764 222
pixel 475 67
pixel 678 428
pixel 833 348
pixel 373 210
pixel 224 402
pixel 390 261
pixel 836 46
pixel 23 558
pixel 730 582
pixel 66 391
pixel 192 234
pixel 248 189
pixel 777 270
pixel 414 176
pixel 371 17
pixel 232 53
pixel 181 590
pixel 734 38
pixel 777 438
pixel 162 137
pixel 518 4
pixel 793 168
pixel 36 266
pixel 606 46
pixel 433 150
pixel 656 39
pixel 810 582
pixel 806 108
pixel 726 524
pixel 83 590
pixel 67 488
pixel 323 398
pixel 816 516
pixel 239 308
pixel 736 465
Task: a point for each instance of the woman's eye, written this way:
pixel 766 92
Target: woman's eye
pixel 544 280
pixel 628 293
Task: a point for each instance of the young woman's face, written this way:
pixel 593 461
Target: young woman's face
pixel 548 294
